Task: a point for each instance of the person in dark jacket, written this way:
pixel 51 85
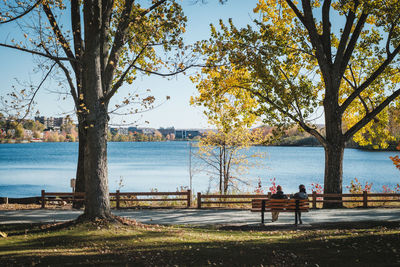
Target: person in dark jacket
pixel 302 194
pixel 278 195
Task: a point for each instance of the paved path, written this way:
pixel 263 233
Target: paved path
pixel 206 217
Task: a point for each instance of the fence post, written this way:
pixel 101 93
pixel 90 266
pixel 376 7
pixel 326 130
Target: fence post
pixel 365 199
pixel 314 200
pixel 199 200
pixel 189 198
pixel 43 199
pixel 269 195
pixel 262 210
pixel 117 199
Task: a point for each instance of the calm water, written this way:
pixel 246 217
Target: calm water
pixel 25 169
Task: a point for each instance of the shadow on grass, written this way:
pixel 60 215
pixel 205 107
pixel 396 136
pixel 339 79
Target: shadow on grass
pixel 371 245
pixel 315 226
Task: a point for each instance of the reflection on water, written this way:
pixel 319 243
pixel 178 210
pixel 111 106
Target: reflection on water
pixel 25 169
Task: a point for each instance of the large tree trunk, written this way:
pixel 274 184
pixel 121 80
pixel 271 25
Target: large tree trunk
pixel 333 174
pixel 80 171
pixel 334 146
pixel 97 202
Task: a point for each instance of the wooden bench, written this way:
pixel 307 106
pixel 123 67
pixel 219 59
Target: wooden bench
pixel 280 205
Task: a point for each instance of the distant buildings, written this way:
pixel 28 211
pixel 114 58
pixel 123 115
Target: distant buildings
pixel 51 122
pixel 165 132
pixel 187 134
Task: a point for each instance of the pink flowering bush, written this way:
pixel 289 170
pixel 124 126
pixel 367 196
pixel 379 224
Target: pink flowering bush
pixel 259 190
pixel 273 186
pixel 317 188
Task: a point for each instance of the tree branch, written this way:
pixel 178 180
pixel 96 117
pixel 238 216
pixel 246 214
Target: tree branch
pixel 326 30
pixel 307 128
pixel 297 12
pixel 370 80
pixel 344 61
pixel 37 89
pixel 345 36
pixel 60 37
pixel 368 117
pixel 117 45
pixel 37 53
pixel 390 36
pixel 120 81
pixel 23 14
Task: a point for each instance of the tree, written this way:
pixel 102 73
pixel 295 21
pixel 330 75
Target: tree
pixel 109 46
pixel 298 62
pixel 231 111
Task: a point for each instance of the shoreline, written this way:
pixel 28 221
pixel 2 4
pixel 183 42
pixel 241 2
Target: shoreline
pixel 390 149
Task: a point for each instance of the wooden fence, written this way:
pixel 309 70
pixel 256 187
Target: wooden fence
pixel 226 200
pixel 120 197
pixel 363 198
pixel 60 197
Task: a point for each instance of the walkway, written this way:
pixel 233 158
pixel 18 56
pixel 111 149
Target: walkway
pixel 206 217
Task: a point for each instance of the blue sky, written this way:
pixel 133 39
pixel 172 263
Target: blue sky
pixel 177 111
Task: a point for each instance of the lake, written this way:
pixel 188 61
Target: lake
pixel 25 169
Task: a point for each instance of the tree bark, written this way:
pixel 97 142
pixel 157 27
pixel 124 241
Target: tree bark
pixel 80 171
pixel 333 174
pixel 97 202
pixel 334 146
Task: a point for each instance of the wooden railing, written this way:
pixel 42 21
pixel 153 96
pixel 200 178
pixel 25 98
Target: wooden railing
pixel 60 197
pixel 363 198
pixel 220 200
pixel 120 197
pixel 227 200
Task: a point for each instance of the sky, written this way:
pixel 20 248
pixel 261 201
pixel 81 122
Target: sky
pixel 176 112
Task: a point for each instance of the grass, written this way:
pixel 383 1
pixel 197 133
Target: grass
pixel 366 244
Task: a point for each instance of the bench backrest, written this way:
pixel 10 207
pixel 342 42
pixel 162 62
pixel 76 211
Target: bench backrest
pixel 280 204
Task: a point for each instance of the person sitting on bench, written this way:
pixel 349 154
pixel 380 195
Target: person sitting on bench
pixel 278 195
pixel 302 194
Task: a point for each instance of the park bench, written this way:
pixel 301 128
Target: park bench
pixel 280 205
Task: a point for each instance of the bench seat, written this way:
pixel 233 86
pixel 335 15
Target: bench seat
pixel 279 205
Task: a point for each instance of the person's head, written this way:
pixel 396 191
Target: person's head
pixel 279 188
pixel 302 188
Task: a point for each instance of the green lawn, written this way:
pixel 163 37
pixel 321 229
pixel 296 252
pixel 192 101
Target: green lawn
pixel 367 244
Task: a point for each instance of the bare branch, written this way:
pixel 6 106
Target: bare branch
pixel 60 37
pixel 37 90
pixel 121 79
pixel 23 14
pixel 37 53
